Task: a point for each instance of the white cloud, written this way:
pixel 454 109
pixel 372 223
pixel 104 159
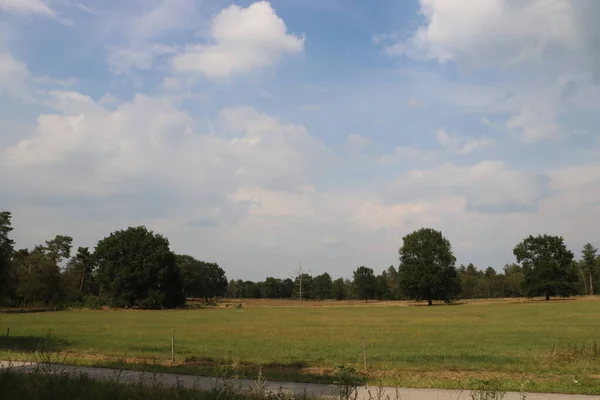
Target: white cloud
pixel 14 78
pixel 489 186
pixel 131 142
pixel 243 39
pixel 488 32
pixel 26 6
pixel 358 141
pixel 461 144
pixel 533 124
pixel 167 15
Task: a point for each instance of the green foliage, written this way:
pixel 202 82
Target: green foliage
pixel 589 268
pixel 59 248
pixel 137 269
pixel 513 282
pixel 348 380
pixel 93 302
pixel 547 266
pixel 272 288
pixel 427 269
pixel 38 279
pixel 364 283
pixel 305 281
pixel 394 282
pixel 338 289
pixel 6 252
pixel 322 286
pixel 201 279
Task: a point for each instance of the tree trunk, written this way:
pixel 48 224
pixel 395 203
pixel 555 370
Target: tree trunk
pixel 585 288
pixel 547 297
pixel 430 302
pixel 81 283
pixel 591 285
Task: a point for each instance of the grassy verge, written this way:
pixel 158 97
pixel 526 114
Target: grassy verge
pixel 40 385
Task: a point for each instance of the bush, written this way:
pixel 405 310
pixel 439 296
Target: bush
pixel 93 302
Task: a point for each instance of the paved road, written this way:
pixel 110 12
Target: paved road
pixel 315 389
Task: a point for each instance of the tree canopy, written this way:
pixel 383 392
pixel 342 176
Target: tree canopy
pixel 201 279
pixel 427 269
pixel 365 283
pixel 547 266
pixel 137 269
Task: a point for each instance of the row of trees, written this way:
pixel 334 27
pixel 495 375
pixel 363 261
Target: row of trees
pixel 136 268
pixel 427 272
pixel 129 268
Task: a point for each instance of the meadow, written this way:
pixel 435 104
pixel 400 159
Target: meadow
pixel 546 346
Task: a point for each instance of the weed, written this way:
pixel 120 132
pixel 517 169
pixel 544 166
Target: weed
pixel 487 390
pixel 348 380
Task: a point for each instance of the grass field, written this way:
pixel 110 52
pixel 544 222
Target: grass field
pixel 553 346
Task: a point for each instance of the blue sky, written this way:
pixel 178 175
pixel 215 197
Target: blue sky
pixel 261 134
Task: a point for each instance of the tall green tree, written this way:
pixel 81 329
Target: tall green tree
pixel 514 278
pixel 427 270
pixel 338 289
pixel 59 248
pixel 322 286
pixel 287 288
pixel 589 265
pixel 138 269
pixel 6 253
pixel 364 283
pixel 201 279
pixel 38 278
pixel 547 266
pixel 80 272
pixel 394 281
pixel 271 288
pixel 469 280
pixel 383 287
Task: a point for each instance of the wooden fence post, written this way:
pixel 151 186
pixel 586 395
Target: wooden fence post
pixel 364 343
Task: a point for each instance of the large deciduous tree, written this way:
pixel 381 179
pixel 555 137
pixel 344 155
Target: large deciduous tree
pixel 338 289
pixel 427 269
pixel 137 269
pixel 201 279
pixel 364 283
pixel 323 286
pixel 547 266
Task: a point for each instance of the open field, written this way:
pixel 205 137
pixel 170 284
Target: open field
pixel 554 345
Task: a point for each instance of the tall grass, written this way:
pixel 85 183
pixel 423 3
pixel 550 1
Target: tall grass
pixel 570 352
pixel 40 385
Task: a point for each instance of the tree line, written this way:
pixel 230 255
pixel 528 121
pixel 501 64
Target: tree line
pixel 129 268
pixel 135 268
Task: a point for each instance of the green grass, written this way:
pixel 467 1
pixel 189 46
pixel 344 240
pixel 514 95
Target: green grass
pixel 549 344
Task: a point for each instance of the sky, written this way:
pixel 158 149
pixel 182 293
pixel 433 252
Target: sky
pixel 263 134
